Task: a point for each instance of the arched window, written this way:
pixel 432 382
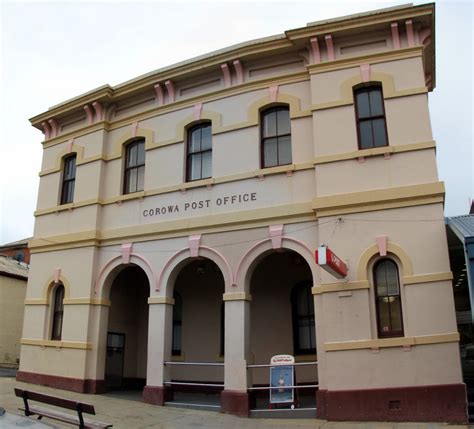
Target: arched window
pixel 58 310
pixel 69 179
pixel 388 299
pixel 370 116
pixel 134 177
pixel 302 306
pixel 276 137
pixel 199 152
pixel 177 324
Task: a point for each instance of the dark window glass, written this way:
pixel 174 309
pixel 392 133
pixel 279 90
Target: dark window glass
pixel 222 339
pixel 276 137
pixel 388 300
pixel 58 310
pixel 69 179
pixel 177 324
pixel 302 305
pixel 134 176
pixel 370 115
pixel 199 152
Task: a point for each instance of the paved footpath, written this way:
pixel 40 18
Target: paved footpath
pixel 129 414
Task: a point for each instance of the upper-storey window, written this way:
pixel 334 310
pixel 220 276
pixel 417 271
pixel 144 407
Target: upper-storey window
pixel 370 115
pixel 388 299
pixel 69 179
pixel 57 314
pixel 276 136
pixel 199 152
pixel 134 176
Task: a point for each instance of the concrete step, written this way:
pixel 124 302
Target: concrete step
pixel 284 413
pixel 193 406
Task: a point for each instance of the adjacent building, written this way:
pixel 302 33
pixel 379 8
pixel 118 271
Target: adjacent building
pixel 179 213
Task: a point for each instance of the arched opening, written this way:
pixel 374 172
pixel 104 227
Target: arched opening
pixel 127 330
pixel 283 321
pixel 198 288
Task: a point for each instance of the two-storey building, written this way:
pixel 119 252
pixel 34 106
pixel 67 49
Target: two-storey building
pixel 179 212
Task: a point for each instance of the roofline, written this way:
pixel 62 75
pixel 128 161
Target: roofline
pixel 255 46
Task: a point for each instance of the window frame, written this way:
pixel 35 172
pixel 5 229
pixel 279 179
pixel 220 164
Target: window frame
pixel 297 351
pixel 57 312
pixel 139 142
pixel 267 110
pixel 67 197
pixel 380 332
pixel 190 155
pixel 367 88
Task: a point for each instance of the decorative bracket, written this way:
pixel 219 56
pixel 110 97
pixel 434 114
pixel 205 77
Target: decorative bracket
pixel 329 47
pixel 315 50
pixel 194 242
pixel 276 234
pixel 126 251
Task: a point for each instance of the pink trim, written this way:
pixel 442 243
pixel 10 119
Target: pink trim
pixel 194 241
pixel 170 88
pixel 375 350
pixel 329 47
pixel 273 93
pixel 89 114
pixel 150 267
pixel 126 251
pixel 239 71
pixel 386 155
pixel 276 233
pixel 56 274
pixel 226 73
pixel 134 129
pixel 54 127
pixel 424 36
pixel 365 72
pixel 410 35
pixel 167 264
pixel 159 98
pixel 99 111
pixel 395 35
pixel 289 173
pixel 315 50
pixel 226 262
pixel 407 348
pixel 382 244
pixel 110 111
pixel 361 159
pixel 197 111
pixel 46 130
pixel 69 146
pixel 294 240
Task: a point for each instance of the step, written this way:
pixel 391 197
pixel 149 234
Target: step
pixel 284 413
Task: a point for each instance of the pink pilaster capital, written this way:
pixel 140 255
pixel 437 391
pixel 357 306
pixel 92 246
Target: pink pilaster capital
pixel 46 130
pixel 170 88
pixel 70 143
pixel 110 111
pixel 315 50
pixel 410 34
pixel 134 129
pixel 99 111
pixel 54 127
pixel 159 95
pixel 239 71
pixel 126 250
pixel 365 72
pixel 273 93
pixel 395 35
pixel 197 111
pixel 89 114
pixel 424 36
pixel 329 47
pixel 56 274
pixel 276 235
pixel 226 74
pixel 382 244
pixel 194 242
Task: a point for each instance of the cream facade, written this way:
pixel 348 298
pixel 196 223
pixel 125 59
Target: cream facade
pixel 123 243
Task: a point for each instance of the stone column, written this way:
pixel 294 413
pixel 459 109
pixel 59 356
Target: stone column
pixel 235 398
pixel 160 328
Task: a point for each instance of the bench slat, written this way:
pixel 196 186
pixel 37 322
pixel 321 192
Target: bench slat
pixel 53 400
pixel 64 417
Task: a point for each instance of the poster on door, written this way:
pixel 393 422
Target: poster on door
pixel 282 376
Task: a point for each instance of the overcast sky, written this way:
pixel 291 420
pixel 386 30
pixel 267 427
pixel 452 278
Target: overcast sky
pixel 52 51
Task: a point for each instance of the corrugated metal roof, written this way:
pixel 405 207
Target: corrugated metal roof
pixel 13 267
pixel 16 243
pixel 462 226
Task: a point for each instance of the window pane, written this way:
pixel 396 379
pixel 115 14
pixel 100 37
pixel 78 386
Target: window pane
pixel 269 124
pixel 206 137
pixel 70 191
pixel 392 279
pixel 59 296
pixel 206 165
pixel 177 337
pixel 132 155
pixel 396 313
pixel 141 178
pixel 283 122
pixel 177 308
pixel 195 141
pixel 312 335
pixel 132 180
pixel 270 153
pixel 194 166
pixel 376 103
pixel 379 132
pixel 284 150
pixel 384 315
pixel 304 337
pixel 366 140
pixel 141 153
pixel 381 280
pixel 363 108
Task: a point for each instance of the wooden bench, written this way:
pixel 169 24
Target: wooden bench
pixel 79 407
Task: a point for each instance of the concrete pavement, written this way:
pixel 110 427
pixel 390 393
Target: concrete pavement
pixel 132 414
